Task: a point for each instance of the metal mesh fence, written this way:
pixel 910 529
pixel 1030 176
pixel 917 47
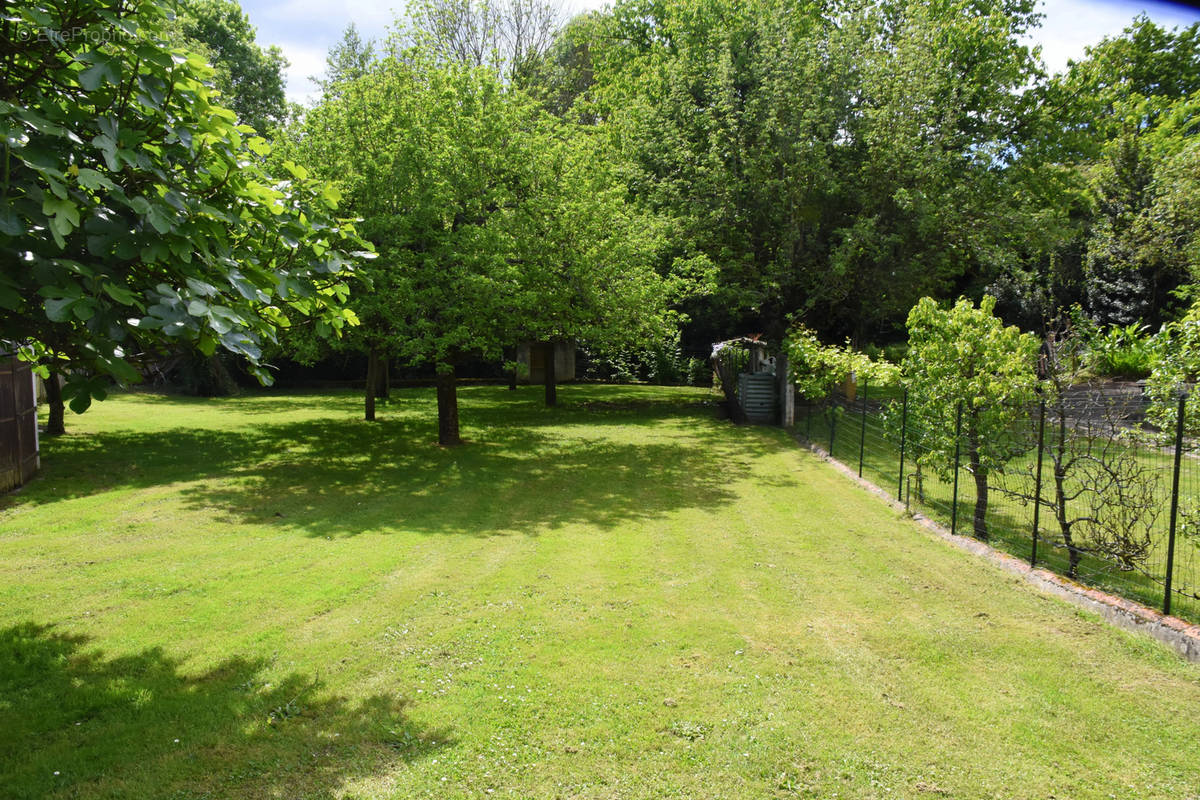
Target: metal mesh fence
pixel 1084 487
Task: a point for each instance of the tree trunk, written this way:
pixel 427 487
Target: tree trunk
pixel 1064 524
pixel 383 370
pixel 372 385
pixel 1059 457
pixel 447 401
pixel 55 425
pixel 551 378
pixel 512 373
pixel 217 381
pixel 981 485
pixel 981 503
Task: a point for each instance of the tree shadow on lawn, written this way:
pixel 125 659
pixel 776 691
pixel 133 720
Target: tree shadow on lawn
pixel 337 477
pixel 74 722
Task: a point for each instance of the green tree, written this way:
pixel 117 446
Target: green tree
pixel 1176 372
pixel 348 60
pixel 816 368
pixel 564 76
pixel 1145 62
pixel 839 160
pixel 587 255
pixel 430 158
pixel 249 77
pixel 494 221
pixel 135 212
pixel 1139 242
pixel 1103 130
pixel 1173 219
pixel 964 357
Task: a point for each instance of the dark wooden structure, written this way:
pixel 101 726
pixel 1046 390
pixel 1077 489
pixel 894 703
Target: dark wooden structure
pixel 532 358
pixel 18 423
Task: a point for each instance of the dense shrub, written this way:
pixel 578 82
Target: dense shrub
pixel 1122 351
pixel 662 364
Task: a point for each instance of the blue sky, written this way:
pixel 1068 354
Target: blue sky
pixel 305 29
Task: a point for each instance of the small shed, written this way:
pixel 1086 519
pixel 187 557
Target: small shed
pixel 756 393
pixel 18 423
pixel 533 356
pixel 757 385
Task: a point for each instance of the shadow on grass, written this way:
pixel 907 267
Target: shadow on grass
pixel 74 722
pixel 525 469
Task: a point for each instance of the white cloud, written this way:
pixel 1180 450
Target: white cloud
pixel 1070 26
pixel 305 30
pixel 305 62
pixel 366 15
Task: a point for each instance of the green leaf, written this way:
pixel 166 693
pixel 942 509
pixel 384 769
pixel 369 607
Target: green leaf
pixel 148 323
pixel 123 371
pixel 201 288
pixel 107 146
pixel 59 309
pixel 84 309
pixel 10 223
pixel 119 293
pixel 159 219
pixel 91 179
pixel 81 402
pixel 61 208
pixel 10 295
pixel 103 70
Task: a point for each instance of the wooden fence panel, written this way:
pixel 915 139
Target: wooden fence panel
pixel 18 424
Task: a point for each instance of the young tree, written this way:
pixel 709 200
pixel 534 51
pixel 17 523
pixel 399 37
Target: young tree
pixel 434 159
pixel 1103 497
pixel 494 221
pixel 816 368
pixel 135 212
pixel 964 357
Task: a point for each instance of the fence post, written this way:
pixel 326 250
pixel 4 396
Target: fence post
pixel 787 399
pixel 1174 502
pixel 862 439
pixel 1037 481
pixel 832 422
pixel 903 438
pixel 954 502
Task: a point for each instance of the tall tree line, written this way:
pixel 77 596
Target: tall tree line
pixel 836 161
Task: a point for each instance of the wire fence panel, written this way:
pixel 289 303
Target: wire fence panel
pixel 1085 487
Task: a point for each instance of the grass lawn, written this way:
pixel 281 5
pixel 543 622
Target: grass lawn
pixel 622 597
